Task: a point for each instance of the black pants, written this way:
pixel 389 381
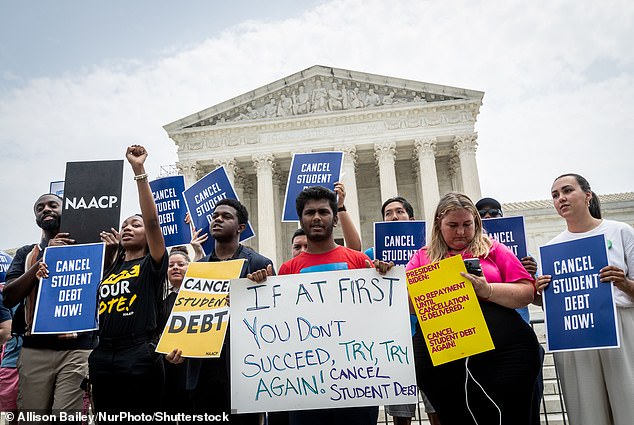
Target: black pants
pixel 507 374
pixel 128 379
pixel 538 394
pixel 212 393
pixel 176 399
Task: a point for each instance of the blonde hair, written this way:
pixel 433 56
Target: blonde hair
pixel 437 248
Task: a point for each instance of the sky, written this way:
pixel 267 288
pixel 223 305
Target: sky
pixel 81 80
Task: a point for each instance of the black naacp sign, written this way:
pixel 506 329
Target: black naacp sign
pixel 92 199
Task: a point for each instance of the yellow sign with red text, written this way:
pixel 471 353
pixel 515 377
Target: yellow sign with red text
pixel 448 311
pixel 198 321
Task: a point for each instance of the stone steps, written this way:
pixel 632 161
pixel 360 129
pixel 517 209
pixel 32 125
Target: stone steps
pixel 555 419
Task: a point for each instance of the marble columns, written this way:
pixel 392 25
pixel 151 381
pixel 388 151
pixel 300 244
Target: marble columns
pixel 465 147
pixel 191 170
pixel 426 151
pixel 349 180
pixel 233 173
pixel 385 155
pixel 267 239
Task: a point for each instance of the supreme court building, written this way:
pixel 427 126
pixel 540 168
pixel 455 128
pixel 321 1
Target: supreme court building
pixel 399 137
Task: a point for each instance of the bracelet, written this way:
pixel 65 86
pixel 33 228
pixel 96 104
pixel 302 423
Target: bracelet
pixel 140 176
pixel 490 292
pixel 342 208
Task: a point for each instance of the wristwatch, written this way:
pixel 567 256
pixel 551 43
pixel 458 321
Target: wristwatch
pixel 342 208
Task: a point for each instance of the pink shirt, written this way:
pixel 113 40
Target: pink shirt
pixel 501 265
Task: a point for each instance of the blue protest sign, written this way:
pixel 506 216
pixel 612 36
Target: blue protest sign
pixel 579 309
pixel 67 299
pixel 5 262
pixel 508 231
pixel 201 199
pixel 310 169
pixel 397 241
pixel 170 204
pixel 57 188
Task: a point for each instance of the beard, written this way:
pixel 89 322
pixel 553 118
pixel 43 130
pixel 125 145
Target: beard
pixel 48 225
pixel 327 234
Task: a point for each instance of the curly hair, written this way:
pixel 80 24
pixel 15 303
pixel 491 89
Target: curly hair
pixel 241 210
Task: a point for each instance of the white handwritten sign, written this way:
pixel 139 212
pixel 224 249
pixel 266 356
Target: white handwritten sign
pixel 321 340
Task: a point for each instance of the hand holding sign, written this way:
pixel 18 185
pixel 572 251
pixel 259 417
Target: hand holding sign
pixel 42 271
pixel 110 238
pixel 530 265
pixel 579 310
pixel 175 357
pixel 199 319
pixel 67 296
pixel 542 282
pixel 197 243
pixel 260 275
pixel 398 240
pixel 92 203
pixel 448 311
pixel 381 266
pixel 340 190
pixel 617 277
pixel 201 199
pixel 61 239
pixel 310 169
pixel 321 340
pixel 508 231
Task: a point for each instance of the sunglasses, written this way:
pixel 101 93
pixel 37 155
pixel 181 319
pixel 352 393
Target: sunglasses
pixel 493 212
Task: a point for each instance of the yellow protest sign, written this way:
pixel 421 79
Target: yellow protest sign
pixel 448 311
pixel 198 322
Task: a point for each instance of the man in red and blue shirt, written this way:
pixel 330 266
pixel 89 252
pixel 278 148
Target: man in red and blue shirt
pixel 316 208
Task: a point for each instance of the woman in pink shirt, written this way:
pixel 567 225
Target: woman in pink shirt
pixel 494 387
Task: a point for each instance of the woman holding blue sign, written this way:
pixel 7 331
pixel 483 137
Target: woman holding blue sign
pixel 598 385
pixel 496 386
pixel 126 373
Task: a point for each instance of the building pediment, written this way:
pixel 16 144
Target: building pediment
pixel 321 90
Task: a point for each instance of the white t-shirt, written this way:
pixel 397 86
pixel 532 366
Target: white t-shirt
pixel 619 240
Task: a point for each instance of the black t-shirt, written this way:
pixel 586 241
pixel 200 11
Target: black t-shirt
pixel 130 299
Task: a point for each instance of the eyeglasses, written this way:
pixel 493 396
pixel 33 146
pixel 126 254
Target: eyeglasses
pixel 493 212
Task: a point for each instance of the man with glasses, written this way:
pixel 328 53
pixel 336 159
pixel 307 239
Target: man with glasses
pixel 489 208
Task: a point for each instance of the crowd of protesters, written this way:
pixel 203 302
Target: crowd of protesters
pixel 49 373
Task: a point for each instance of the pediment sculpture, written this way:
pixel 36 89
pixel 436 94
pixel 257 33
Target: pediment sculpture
pixel 321 95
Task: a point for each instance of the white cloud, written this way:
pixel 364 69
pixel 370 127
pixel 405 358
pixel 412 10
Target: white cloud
pixel 550 105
